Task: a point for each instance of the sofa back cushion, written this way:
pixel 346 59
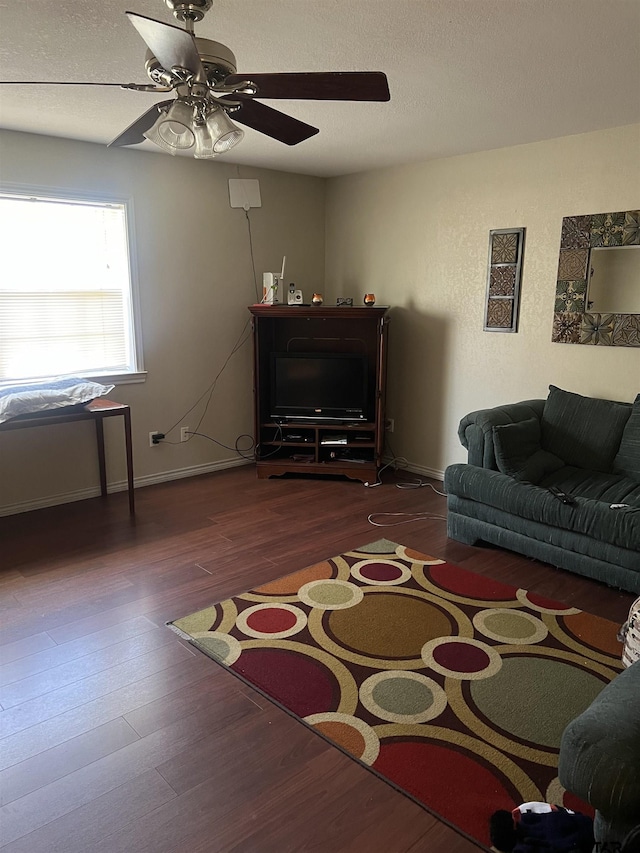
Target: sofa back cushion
pixel 518 452
pixel 583 431
pixel 627 460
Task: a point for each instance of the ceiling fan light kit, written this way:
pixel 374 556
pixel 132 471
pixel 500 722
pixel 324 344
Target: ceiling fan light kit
pixel 172 130
pixel 186 124
pixel 222 131
pixel 202 73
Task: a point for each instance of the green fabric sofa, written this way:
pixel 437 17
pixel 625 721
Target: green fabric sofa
pixel 588 448
pixel 599 758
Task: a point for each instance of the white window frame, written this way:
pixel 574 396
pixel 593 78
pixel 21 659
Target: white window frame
pixel 138 373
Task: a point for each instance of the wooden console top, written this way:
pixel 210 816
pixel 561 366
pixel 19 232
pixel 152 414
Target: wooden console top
pixel 324 311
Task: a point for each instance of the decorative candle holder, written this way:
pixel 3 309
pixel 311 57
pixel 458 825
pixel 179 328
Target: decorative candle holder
pixel 316 299
pixel 369 299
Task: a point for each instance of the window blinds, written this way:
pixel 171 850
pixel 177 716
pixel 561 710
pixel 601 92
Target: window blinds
pixel 65 288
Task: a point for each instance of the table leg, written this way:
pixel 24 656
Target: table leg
pixel 129 448
pixel 101 459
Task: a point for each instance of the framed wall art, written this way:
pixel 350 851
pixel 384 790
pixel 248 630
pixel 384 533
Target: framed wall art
pixel 506 247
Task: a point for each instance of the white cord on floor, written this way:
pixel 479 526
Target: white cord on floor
pixel 399 463
pixel 408 518
pixel 419 484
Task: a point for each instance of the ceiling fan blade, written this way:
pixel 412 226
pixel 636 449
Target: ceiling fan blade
pixel 144 87
pixel 134 134
pixel 170 45
pixel 323 85
pixel 271 122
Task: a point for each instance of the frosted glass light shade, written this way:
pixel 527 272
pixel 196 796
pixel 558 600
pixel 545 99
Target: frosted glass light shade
pixel 204 143
pixel 173 128
pixel 224 133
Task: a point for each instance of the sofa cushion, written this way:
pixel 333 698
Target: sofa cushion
pixel 608 488
pixel 589 516
pixel 583 431
pixel 627 460
pixel 518 452
pixel 476 429
pixel 471 522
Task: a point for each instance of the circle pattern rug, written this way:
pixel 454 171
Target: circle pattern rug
pixel 451 686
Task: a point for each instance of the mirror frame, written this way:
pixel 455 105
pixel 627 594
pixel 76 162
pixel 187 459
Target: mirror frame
pixel 572 324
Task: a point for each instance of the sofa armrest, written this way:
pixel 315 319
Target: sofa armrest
pixel 599 757
pixel 475 430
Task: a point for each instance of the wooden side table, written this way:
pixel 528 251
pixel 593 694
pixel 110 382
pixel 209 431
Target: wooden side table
pixel 96 411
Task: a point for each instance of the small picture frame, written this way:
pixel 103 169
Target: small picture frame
pixel 506 247
pixel 344 301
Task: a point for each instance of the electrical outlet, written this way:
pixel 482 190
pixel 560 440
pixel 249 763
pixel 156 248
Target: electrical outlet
pixel 389 424
pixel 184 434
pixel 153 443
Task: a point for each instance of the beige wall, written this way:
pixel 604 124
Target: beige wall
pixel 195 281
pixel 417 236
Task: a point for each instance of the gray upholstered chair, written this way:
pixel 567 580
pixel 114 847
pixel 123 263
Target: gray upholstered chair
pixel 600 757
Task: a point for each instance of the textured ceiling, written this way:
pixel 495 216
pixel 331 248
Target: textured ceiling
pixel 464 75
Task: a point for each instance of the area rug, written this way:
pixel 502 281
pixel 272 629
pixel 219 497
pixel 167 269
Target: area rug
pixel 452 687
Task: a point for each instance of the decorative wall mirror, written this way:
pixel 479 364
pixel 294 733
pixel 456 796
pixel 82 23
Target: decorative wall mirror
pixel 598 285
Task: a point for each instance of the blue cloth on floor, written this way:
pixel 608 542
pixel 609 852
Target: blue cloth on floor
pixel 554 832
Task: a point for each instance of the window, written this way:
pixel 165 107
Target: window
pixel 66 299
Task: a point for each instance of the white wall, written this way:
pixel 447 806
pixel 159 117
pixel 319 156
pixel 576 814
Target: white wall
pixel 417 236
pixel 196 281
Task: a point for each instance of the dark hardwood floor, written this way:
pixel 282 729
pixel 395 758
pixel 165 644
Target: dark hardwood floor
pixel 118 736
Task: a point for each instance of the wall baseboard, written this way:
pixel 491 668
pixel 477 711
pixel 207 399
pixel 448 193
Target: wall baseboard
pixel 120 486
pixel 413 468
pixel 426 472
pixel 163 477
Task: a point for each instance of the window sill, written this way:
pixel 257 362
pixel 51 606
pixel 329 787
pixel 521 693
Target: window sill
pixel 121 378
pixel 104 378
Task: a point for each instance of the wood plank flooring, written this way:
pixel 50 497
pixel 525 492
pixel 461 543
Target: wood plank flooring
pixel 118 736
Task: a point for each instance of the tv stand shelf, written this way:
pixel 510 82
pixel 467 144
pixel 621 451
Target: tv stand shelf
pixel 308 446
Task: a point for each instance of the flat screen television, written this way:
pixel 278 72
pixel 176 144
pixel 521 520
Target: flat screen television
pixel 318 386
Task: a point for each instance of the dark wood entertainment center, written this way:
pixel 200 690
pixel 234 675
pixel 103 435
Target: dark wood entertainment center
pixel 316 446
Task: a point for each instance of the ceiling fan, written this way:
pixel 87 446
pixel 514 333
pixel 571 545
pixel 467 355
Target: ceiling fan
pixel 202 74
